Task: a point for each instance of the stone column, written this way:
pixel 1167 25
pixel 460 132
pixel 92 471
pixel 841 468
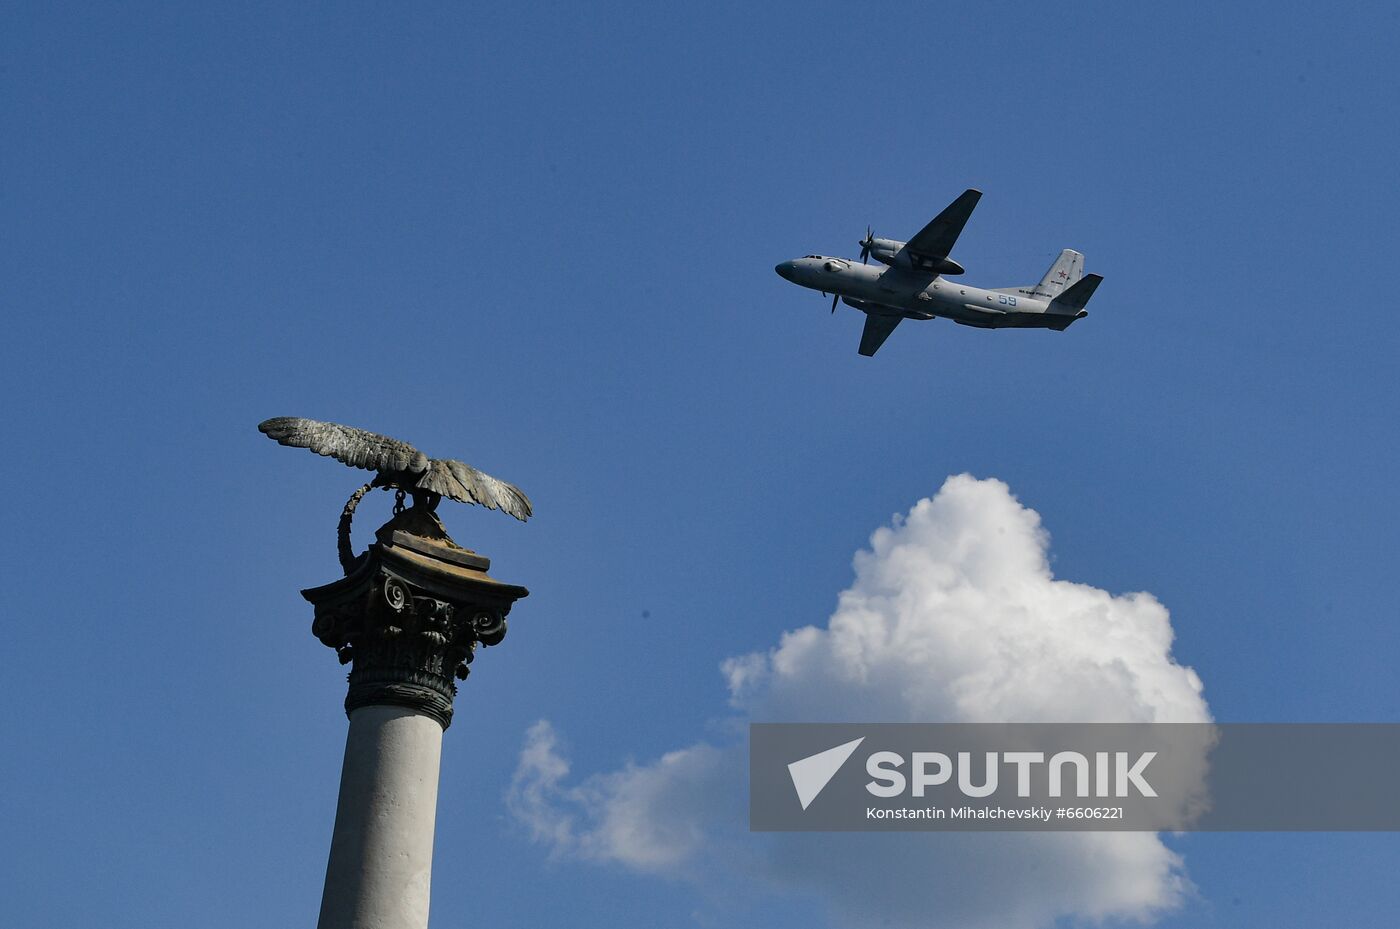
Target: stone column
pixel 408 617
pixel 381 861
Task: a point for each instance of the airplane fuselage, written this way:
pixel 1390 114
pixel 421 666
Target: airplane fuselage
pixel 911 294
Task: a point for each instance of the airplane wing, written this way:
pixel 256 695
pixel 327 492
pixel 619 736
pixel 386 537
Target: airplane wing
pixel 877 330
pixel 935 241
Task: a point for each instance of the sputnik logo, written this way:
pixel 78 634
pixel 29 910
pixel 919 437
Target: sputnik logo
pixel 810 775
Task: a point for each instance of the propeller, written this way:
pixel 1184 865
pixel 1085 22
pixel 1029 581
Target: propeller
pixel 834 298
pixel 865 246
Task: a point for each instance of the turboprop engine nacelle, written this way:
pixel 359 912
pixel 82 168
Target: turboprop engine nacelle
pixel 884 250
pixel 888 251
pixel 934 265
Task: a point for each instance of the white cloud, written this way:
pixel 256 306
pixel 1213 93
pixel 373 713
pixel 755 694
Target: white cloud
pixel 954 616
pixel 622 817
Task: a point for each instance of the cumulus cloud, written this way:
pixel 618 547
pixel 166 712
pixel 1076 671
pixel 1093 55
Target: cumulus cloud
pixel 626 816
pixel 954 616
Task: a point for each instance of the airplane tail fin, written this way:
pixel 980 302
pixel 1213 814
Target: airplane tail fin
pixel 1067 270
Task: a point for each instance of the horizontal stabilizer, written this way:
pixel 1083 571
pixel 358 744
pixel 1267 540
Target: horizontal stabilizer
pixel 1072 301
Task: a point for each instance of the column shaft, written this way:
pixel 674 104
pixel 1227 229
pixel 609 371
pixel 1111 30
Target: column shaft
pixel 380 870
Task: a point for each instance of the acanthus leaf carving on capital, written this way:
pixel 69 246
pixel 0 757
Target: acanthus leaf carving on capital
pixel 406 643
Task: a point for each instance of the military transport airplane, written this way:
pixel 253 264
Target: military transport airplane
pixel 914 286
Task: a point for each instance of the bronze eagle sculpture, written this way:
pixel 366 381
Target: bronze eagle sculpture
pixel 399 465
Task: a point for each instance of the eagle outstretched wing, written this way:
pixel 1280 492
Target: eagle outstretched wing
pixel 357 448
pixel 400 464
pixel 459 481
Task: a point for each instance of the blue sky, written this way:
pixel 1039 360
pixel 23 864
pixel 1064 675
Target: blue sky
pixel 541 238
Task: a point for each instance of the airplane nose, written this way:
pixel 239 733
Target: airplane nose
pixel 785 270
